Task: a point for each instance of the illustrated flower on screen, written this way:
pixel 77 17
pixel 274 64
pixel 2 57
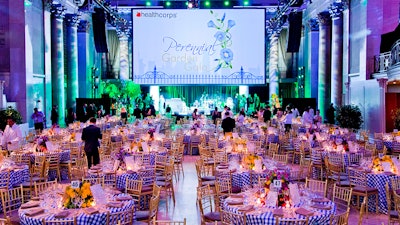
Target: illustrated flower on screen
pixel 223 38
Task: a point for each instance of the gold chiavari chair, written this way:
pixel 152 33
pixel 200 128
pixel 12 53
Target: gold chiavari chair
pixel 341 218
pixel 362 210
pixel 94 180
pixel 281 158
pixel 4 179
pixel 54 163
pixel 11 199
pixel 395 181
pixel 208 205
pixel 317 186
pixel 80 167
pixel 124 217
pixel 228 217
pixel 195 141
pixel 166 183
pixel 341 197
pixel 204 174
pixel 148 215
pixel 273 148
pixel 178 160
pixel 393 215
pixel 5 221
pixel 358 180
pixel 40 187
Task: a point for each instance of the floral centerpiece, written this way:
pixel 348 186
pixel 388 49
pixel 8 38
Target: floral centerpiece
pixel 283 192
pixel 72 137
pixel 80 197
pixel 151 132
pixel 249 161
pixel 41 143
pixel 377 164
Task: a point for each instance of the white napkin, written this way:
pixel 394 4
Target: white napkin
pixel 272 197
pixel 294 193
pixel 386 167
pixel 116 165
pixel 145 147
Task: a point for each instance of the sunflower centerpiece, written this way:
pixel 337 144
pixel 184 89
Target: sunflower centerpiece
pixel 78 195
pixel 249 161
pixel 379 164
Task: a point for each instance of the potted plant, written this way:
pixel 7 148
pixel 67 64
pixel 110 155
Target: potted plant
pixel 349 116
pixel 10 111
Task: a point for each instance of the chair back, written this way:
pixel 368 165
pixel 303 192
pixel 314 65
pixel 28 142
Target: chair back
pixel 317 186
pixel 228 218
pixel 11 199
pixel 341 196
pixel 341 218
pixel 124 217
pixel 41 187
pixel 282 158
pixel 94 180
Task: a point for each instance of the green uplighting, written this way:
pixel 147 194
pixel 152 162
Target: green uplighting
pixel 186 3
pixel 207 3
pixel 245 3
pixel 148 3
pixel 226 3
pixel 168 4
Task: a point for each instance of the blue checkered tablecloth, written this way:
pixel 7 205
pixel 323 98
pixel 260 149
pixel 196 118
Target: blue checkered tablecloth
pixel 121 178
pixel 378 181
pixel 265 216
pixel 17 177
pixel 81 217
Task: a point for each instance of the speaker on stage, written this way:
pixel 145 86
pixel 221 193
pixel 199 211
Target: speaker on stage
pixel 99 30
pixel 295 26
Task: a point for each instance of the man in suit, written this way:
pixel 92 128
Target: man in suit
pixel 267 114
pixel 91 135
pixel 228 124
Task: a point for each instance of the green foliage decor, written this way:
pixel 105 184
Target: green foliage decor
pixel 349 116
pixel 9 112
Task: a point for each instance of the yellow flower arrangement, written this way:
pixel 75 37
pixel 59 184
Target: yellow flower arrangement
pixel 249 161
pixel 377 163
pixel 72 138
pixel 80 197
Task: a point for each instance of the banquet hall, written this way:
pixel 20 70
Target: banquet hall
pixel 310 85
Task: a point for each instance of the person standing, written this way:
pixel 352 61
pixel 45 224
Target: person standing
pixel 91 135
pixel 54 115
pixel 228 124
pixel 70 116
pixel 215 115
pixel 137 112
pixel 194 114
pixel 38 119
pixel 330 114
pixel 267 114
pixel 12 135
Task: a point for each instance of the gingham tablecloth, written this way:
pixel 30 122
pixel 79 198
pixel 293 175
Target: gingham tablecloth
pixel 81 217
pixel 17 177
pixel 265 216
pixel 121 177
pixel 378 181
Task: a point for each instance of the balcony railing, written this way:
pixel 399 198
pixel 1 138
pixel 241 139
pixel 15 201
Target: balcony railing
pixel 387 59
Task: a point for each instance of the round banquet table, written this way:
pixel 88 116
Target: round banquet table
pixel 81 217
pixel 265 215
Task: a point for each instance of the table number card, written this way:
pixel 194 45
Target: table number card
pixel 75 184
pixel 277 184
pixel 98 194
pixel 116 165
pixel 294 193
pixel 272 197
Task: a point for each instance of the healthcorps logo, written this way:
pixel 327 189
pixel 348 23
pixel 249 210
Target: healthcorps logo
pixel 156 15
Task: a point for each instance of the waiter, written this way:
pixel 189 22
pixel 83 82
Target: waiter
pixel 91 135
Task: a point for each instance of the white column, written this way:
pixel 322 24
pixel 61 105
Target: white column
pixel 273 65
pixel 382 108
pixel 335 11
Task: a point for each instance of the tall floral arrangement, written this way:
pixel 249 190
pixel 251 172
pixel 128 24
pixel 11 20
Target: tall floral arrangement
pixel 283 192
pixel 80 197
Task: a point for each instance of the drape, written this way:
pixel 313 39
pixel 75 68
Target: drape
pixel 282 59
pixel 113 52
